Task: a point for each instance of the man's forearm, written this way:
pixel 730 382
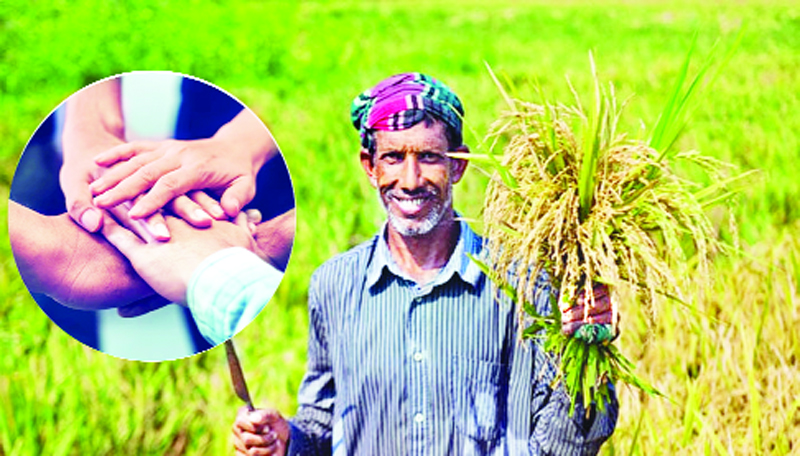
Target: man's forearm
pixel 78 269
pixel 93 121
pixel 275 238
pixel 246 135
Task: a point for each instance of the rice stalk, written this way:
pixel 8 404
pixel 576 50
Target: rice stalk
pixel 585 203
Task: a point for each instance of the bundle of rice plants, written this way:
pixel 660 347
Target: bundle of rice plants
pixel 574 197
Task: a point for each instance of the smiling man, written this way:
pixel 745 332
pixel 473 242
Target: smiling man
pixel 411 349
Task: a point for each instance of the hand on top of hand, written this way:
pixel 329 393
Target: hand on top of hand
pixel 162 171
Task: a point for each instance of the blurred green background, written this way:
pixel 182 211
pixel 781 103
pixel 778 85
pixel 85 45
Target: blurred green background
pixel 733 382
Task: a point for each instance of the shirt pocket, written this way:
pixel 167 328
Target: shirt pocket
pixel 476 394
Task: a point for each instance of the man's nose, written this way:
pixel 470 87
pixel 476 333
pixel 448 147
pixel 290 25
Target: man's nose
pixel 411 174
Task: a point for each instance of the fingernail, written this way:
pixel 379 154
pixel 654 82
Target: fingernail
pixel 253 215
pixel 90 219
pixel 216 211
pixel 100 200
pixel 201 215
pixel 160 231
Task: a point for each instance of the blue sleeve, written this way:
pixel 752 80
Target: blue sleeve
pixel 553 430
pixel 311 428
pixel 228 290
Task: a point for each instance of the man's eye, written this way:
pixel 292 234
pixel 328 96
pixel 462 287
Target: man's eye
pixel 392 157
pixel 430 157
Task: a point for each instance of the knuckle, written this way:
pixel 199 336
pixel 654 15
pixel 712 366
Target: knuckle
pixel 75 206
pixel 148 174
pixel 170 183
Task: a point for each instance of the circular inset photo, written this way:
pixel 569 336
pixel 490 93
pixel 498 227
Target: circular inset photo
pixel 151 216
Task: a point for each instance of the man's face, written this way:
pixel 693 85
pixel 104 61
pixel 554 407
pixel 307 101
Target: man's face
pixel 414 177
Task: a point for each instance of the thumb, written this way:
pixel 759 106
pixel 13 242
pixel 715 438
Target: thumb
pixel 237 195
pixel 83 211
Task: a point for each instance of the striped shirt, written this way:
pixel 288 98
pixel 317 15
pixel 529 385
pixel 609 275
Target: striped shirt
pixel 395 368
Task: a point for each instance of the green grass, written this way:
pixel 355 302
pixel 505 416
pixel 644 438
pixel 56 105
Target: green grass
pixel 732 379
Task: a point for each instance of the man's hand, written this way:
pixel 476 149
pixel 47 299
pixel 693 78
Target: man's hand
pixel 168 266
pixel 226 163
pixel 58 258
pixel 261 432
pixel 600 311
pixel 164 170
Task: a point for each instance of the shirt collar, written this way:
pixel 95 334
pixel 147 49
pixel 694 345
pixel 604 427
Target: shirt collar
pixel 458 264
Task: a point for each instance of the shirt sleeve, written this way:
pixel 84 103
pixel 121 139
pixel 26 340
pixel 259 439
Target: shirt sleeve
pixel 311 432
pixel 553 430
pixel 228 290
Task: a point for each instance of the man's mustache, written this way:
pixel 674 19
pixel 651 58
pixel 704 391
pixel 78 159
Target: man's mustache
pixel 421 192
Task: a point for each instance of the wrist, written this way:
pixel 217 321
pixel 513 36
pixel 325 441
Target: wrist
pixel 247 137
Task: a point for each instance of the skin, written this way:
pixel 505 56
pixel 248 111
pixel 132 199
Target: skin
pixel 407 165
pixel 160 171
pixel 168 266
pixel 84 271
pixel 74 267
pixel 412 166
pixel 94 131
pixel 260 433
pixel 93 124
pixel 600 311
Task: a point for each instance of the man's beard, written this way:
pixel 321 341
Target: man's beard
pixel 419 227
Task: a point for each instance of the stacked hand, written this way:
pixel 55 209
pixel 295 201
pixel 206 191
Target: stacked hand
pixel 165 171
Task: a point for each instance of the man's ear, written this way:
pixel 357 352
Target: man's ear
pixel 459 165
pixel 369 167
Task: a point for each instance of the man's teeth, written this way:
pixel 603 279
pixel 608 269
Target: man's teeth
pixel 410 205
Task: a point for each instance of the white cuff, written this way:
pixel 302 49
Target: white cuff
pixel 228 290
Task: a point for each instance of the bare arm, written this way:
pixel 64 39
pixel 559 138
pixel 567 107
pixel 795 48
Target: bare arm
pixel 78 269
pixel 93 124
pixel 274 239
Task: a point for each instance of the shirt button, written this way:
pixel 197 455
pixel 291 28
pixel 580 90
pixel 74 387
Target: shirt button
pixel 419 417
pixel 418 356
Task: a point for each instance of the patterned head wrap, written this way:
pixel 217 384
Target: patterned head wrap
pixel 401 101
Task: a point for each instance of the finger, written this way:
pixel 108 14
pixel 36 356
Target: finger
pixel 251 440
pixel 119 172
pixel 242 222
pixel 142 306
pixel 253 216
pixel 81 209
pixel 168 185
pixel 143 179
pixel 600 300
pixel 569 328
pixel 124 240
pixel 249 421
pixel 120 213
pixel 157 226
pixel 123 152
pixel 239 193
pixel 574 313
pixel 604 318
pixel 209 204
pixel 190 211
